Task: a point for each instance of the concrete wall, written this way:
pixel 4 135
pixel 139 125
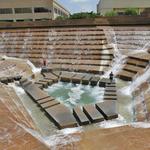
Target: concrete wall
pixel 108 5
pixel 49 4
pixel 101 21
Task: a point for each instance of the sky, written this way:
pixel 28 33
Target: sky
pixel 79 5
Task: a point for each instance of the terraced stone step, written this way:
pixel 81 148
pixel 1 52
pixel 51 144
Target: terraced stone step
pixel 81 62
pixel 77 78
pixel 108 109
pixel 80 116
pixel 76 56
pixel 61 116
pixel 21 31
pixel 49 82
pixel 111 85
pixel 35 92
pixel 50 76
pixel 104 81
pixel 9 79
pixel 141 56
pixel 92 113
pixel 86 80
pixel 94 81
pixel 125 75
pixel 110 93
pixel 61 47
pixel 45 100
pixel 79 68
pixel 137 62
pixel 66 76
pixel 67 51
pixel 110 97
pixel 110 89
pixel 132 68
pixel 44 84
pixel 49 104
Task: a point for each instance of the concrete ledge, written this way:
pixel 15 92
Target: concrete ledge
pixel 103 21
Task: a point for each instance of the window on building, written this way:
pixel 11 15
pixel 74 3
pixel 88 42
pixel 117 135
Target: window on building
pixel 23 10
pixel 6 20
pixel 42 19
pixel 6 11
pixel 22 20
pixel 41 10
pixel 55 10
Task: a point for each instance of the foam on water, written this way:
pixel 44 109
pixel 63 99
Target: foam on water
pixel 76 94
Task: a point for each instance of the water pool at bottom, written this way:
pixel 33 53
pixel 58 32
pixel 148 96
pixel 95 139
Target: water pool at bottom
pixel 76 94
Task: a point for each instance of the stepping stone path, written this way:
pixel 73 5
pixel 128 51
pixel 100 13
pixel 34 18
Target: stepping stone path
pixel 108 113
pixel 80 116
pixel 92 113
pixel 62 116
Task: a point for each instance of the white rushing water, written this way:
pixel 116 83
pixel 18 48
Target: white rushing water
pixel 119 59
pixel 34 69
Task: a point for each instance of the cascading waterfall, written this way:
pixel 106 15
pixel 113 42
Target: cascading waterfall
pixel 119 59
pixel 27 42
pixel 52 38
pixel 3 39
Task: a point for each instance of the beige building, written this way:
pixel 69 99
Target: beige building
pixel 120 5
pixel 30 10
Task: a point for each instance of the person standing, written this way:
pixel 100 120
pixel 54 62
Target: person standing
pixel 111 76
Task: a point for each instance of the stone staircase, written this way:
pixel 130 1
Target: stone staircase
pixel 134 66
pixel 132 38
pixel 82 49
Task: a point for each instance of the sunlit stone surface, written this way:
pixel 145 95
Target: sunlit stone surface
pixel 24 126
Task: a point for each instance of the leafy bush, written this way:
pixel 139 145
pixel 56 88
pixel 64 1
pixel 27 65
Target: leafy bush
pixel 61 18
pixel 83 15
pixel 111 13
pixel 131 12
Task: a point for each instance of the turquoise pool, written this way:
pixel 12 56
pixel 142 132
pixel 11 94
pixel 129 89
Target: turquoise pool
pixel 75 94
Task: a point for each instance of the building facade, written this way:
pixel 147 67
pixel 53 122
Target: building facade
pixel 121 5
pixel 30 10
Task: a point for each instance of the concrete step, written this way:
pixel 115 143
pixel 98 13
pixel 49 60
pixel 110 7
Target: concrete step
pixel 80 116
pixel 49 104
pixel 108 109
pixel 77 78
pixel 35 92
pixel 61 116
pixel 45 100
pixel 110 97
pixel 94 81
pixel 92 113
pixel 125 75
pixel 86 79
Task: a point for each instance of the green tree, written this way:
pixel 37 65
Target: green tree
pixel 131 12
